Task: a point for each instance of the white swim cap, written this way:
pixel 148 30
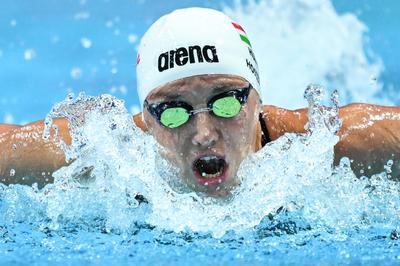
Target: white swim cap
pixel 193 41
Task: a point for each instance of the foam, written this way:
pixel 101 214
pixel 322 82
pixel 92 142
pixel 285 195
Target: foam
pixel 113 162
pixel 305 41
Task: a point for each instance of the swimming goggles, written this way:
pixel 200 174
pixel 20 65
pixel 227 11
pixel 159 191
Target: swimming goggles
pixel 174 114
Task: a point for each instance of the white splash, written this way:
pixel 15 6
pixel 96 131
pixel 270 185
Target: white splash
pixel 114 163
pixel 298 42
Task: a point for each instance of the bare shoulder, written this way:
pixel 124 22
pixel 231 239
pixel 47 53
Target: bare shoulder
pixel 368 107
pixel 4 128
pixel 8 131
pixel 280 120
pixel 358 117
pixel 354 115
pixel 138 121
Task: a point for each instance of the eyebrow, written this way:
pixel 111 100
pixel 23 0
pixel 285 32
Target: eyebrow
pixel 169 95
pixel 225 88
pixel 220 89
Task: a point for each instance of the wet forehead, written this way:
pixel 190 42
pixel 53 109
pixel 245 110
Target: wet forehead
pixel 198 86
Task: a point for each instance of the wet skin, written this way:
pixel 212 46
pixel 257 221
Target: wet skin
pixel 205 134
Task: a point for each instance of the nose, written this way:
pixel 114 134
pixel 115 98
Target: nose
pixel 206 134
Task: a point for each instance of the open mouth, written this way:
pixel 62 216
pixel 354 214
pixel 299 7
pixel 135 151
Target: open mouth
pixel 210 169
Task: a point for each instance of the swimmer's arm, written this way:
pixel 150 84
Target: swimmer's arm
pixel 4 128
pixel 26 158
pixel 137 119
pixel 369 136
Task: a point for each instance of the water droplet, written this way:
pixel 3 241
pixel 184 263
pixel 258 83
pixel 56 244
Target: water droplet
pixel 55 39
pixel 114 70
pixel 76 73
pixel 70 97
pixel 82 16
pixel 29 54
pixel 132 38
pixel 345 162
pixel 8 118
pixel 109 24
pixel 113 89
pixel 123 89
pixel 373 80
pixel 388 166
pixel 55 127
pixel 86 43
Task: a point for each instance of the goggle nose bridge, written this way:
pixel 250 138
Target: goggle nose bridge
pixel 200 110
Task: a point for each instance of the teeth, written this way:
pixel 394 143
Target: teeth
pixel 203 174
pixel 209 158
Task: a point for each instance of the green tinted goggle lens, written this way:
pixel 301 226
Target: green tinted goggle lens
pixel 226 107
pixel 174 117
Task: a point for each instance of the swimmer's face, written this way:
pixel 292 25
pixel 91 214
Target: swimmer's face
pixel 207 149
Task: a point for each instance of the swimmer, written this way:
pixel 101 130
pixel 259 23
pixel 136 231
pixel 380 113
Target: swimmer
pixel 199 85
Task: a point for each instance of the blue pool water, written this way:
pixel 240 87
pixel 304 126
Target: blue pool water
pixel 326 217
pixel 291 208
pixel 50 48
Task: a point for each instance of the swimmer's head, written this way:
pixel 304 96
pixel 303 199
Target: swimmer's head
pixel 198 81
pixel 190 42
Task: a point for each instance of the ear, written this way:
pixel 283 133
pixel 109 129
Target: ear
pixel 137 119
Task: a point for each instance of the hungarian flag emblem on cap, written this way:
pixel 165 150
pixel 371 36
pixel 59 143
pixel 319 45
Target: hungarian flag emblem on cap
pixel 138 59
pixel 242 33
